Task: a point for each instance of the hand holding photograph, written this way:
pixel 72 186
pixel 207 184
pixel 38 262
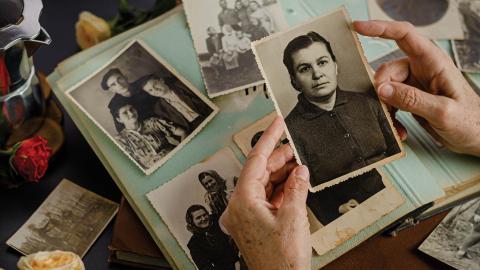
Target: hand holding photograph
pixel 320 82
pixel 143 105
pixel 195 201
pixel 248 137
pixel 222 31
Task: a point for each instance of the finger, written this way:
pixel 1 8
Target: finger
pixel 254 178
pixel 222 221
pixel 277 197
pixel 282 174
pixel 269 139
pixel 411 99
pixel 404 33
pixel 279 158
pixel 397 71
pixel 296 190
pixel 258 157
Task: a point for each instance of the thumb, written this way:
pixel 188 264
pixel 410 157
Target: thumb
pixel 296 189
pixel 410 99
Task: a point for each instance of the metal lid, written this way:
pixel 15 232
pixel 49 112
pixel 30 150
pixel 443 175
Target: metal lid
pixel 21 21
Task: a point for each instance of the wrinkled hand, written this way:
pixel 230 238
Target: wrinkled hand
pixel 267 215
pixel 427 84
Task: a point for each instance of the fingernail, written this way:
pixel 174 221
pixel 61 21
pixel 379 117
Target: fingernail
pixel 302 172
pixel 386 91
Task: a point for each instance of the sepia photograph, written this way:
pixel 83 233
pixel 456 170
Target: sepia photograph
pixel 143 105
pixel 456 240
pixel 467 52
pixel 70 219
pixel 222 31
pixel 435 19
pixel 339 212
pixel 320 83
pixel 197 198
pixel 248 137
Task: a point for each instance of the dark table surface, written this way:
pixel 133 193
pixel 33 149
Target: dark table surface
pixel 78 163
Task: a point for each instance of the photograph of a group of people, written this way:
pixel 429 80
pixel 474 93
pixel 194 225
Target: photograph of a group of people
pixel 222 31
pixel 146 109
pixel 205 189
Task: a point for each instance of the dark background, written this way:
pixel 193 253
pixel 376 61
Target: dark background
pixel 76 162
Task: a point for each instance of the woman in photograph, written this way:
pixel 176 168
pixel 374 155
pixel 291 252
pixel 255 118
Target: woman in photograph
pixel 229 45
pixel 256 30
pixel 242 15
pixel 260 13
pixel 245 56
pixel 209 247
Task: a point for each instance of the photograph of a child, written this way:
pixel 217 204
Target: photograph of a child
pixel 321 86
pixel 143 105
pixel 205 189
pixel 222 31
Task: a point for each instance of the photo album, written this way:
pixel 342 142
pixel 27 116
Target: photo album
pixel 172 109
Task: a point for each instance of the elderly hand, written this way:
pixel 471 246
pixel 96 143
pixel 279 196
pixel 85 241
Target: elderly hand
pixel 267 215
pixel 427 84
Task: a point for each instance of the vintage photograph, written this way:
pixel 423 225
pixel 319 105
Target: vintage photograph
pixel 143 105
pixel 339 212
pixel 200 195
pixel 70 219
pixel 335 122
pixel 248 137
pixel 222 31
pixel 467 52
pixel 456 241
pixel 435 19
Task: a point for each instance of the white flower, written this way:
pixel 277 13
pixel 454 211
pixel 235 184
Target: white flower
pixel 51 260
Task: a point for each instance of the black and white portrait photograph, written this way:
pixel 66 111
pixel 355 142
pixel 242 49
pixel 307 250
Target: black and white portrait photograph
pixel 467 52
pixel 70 219
pixel 222 31
pixel 435 19
pixel 321 85
pixel 191 204
pixel 143 105
pixel 249 136
pixel 456 240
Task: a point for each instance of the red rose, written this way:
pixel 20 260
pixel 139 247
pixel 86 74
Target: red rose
pixel 4 77
pixel 30 158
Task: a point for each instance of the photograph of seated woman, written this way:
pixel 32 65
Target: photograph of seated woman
pixel 209 247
